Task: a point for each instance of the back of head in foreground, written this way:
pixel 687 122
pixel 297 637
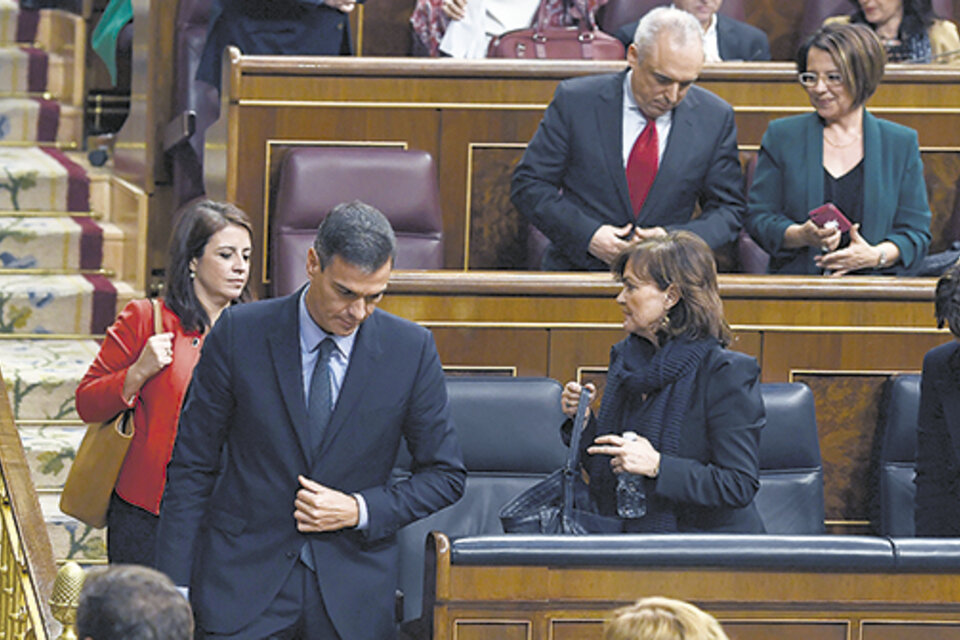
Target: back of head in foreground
pixel 947 300
pixel 131 602
pixel 658 618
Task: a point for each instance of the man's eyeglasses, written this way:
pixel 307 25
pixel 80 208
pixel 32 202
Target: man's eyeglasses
pixel 809 78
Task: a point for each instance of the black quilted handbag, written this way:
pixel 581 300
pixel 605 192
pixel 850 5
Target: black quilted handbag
pixel 561 503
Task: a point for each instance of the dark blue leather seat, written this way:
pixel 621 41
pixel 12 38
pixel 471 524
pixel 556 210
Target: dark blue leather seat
pixel 790 499
pixel 509 430
pixel 898 455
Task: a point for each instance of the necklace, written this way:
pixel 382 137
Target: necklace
pixel 840 146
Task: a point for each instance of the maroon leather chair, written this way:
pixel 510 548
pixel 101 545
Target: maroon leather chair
pixel 617 13
pixel 402 184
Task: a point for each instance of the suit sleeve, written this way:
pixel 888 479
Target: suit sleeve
pixel 99 395
pixel 721 192
pixel 735 416
pixel 536 185
pixel 194 465
pixel 935 473
pixel 438 470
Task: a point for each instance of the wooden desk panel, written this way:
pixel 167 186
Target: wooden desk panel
pixel 476 117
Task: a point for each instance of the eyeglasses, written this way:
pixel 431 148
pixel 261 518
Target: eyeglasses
pixel 809 78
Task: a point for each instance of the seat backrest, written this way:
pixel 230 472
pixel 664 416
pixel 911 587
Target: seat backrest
pixel 790 499
pixel 816 11
pixel 509 430
pixel 898 455
pixel 400 183
pixel 750 255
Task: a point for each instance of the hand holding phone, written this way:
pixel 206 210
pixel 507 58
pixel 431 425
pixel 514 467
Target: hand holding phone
pixel 827 216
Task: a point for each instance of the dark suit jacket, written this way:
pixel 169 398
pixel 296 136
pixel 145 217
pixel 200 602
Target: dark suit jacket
pixel 280 27
pixel 736 40
pixel 788 183
pixel 571 178
pixel 713 478
pixel 233 538
pixel 938 444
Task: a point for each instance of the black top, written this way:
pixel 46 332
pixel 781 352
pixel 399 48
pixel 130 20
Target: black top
pixel 846 193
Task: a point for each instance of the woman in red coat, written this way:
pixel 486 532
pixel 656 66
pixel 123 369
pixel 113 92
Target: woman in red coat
pixel 208 270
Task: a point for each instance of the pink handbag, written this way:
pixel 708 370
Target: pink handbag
pixel 541 42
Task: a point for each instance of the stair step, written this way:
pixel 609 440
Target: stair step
pixel 42 375
pixel 50 449
pixel 33 120
pixel 60 242
pixel 61 305
pixel 71 539
pixel 41 179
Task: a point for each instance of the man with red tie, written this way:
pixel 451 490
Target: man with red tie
pixel 620 157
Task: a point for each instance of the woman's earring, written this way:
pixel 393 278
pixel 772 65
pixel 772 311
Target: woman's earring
pixel 193 274
pixel 665 322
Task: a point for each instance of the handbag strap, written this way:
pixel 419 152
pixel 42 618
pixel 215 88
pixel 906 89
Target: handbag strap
pixel 157 316
pixel 573 455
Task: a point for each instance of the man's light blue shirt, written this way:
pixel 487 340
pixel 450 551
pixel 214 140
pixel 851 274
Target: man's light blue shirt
pixel 311 335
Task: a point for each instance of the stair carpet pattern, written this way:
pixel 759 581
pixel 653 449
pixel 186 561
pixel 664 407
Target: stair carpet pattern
pixel 55 297
pixel 27 114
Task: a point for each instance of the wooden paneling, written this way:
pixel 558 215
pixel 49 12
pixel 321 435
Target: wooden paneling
pixel 475 117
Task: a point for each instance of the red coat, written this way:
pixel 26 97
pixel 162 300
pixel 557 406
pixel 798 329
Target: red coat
pixel 100 397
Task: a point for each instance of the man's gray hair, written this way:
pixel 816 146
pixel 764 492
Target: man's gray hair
pixel 683 28
pixel 130 602
pixel 359 234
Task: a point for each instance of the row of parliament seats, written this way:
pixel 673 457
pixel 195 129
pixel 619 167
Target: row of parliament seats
pixel 509 429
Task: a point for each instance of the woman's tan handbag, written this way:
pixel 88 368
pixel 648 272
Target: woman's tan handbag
pixel 93 474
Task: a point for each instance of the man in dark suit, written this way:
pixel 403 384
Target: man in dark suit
pixel 724 37
pixel 625 156
pixel 278 27
pixel 280 512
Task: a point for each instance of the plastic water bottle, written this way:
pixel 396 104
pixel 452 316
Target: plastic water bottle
pixel 631 496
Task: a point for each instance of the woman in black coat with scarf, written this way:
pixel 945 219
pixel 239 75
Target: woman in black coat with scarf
pixel 676 443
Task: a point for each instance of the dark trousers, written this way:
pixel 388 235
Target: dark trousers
pixel 131 534
pixel 297 613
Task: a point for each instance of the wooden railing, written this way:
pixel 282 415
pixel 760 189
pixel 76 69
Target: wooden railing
pixel 27 568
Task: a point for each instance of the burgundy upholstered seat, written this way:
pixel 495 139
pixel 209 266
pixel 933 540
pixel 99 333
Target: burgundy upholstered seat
pixel 617 13
pixel 402 184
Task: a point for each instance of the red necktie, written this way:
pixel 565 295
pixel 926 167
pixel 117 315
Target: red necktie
pixel 642 165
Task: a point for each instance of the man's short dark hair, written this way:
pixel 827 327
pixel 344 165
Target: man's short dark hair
pixel 359 234
pixel 130 602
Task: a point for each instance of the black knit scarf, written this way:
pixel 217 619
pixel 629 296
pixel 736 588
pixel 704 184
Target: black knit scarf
pixel 667 378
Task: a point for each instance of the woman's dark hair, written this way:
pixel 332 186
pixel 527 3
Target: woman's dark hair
pixel 857 52
pixel 682 259
pixel 918 15
pixel 196 225
pixel 947 300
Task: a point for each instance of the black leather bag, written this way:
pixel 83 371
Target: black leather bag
pixel 561 503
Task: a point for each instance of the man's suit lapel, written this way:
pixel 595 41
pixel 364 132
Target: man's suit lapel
pixel 284 341
pixel 364 364
pixel 610 109
pixel 726 40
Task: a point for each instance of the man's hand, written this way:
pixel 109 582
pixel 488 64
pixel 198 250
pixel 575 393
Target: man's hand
pixel 345 6
pixel 608 241
pixel 319 508
pixel 644 233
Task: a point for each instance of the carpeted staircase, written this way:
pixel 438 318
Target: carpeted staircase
pixel 59 254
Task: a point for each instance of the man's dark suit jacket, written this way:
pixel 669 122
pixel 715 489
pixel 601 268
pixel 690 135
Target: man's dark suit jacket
pixel 571 178
pixel 736 40
pixel 231 536
pixel 938 444
pixel 279 27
